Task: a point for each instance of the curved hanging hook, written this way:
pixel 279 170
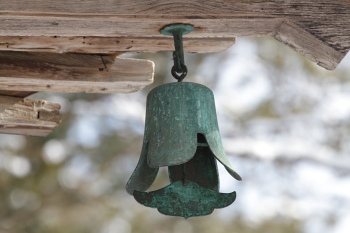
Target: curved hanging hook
pixel 182 75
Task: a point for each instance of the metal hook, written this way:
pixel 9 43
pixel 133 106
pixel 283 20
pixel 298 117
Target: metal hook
pixel 177 31
pixel 183 74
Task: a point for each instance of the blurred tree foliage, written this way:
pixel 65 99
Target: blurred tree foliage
pixel 63 184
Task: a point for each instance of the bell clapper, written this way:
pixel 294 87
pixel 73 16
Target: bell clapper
pixel 183 166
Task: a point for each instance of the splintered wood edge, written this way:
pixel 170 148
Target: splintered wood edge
pixel 28 117
pixel 73 73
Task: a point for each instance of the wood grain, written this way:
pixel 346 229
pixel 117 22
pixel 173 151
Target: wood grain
pixel 109 45
pixel 305 44
pixel 204 28
pixel 33 72
pixel 325 21
pixel 209 26
pixel 28 117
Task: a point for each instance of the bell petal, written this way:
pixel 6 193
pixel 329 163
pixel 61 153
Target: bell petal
pixel 143 175
pixel 175 114
pixel 185 201
pixel 215 144
pixel 170 127
pixel 201 169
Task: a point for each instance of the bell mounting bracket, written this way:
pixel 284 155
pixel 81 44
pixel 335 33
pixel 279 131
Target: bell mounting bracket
pixel 179 70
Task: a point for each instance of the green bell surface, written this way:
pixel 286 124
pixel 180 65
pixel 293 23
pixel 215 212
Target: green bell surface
pixel 177 114
pixel 186 201
pixel 198 195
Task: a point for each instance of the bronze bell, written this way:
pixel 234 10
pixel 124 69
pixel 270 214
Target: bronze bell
pixel 182 132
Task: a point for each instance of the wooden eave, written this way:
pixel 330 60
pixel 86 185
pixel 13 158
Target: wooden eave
pixel 71 46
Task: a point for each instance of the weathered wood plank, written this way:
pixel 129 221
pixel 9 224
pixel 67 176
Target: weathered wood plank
pixel 208 26
pixel 21 71
pixel 305 43
pixel 327 20
pixel 28 117
pixel 109 45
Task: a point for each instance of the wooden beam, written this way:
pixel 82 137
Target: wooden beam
pixel 307 45
pixel 28 117
pixel 33 72
pixel 323 23
pixel 109 45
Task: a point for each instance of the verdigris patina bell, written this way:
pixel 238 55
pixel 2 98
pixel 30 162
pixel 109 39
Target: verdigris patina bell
pixel 182 133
